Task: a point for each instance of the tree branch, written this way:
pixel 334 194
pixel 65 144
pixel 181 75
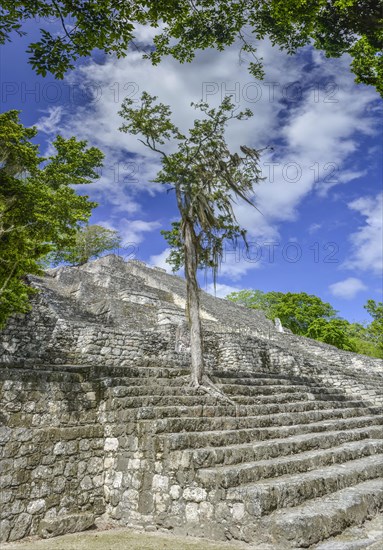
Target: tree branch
pixel 68 34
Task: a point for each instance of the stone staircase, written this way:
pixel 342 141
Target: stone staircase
pixel 293 463
pixel 101 424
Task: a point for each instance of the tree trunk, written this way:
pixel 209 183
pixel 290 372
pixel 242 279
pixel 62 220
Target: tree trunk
pixel 192 305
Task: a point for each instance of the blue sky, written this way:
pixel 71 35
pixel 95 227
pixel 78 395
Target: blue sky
pixel 321 225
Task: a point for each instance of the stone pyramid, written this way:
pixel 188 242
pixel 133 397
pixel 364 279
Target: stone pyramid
pixel 99 425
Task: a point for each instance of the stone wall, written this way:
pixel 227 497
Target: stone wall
pixel 358 376
pixel 52 453
pixel 79 427
pixel 72 449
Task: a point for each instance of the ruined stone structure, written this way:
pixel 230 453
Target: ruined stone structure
pixel 99 424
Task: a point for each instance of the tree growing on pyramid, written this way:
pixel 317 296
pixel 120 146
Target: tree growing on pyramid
pixel 207 178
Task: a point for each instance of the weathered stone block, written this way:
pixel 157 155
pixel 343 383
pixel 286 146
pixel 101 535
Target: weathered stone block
pixel 191 512
pixel 36 506
pixel 20 527
pixel 111 444
pixel 195 494
pixel 5 529
pixel 72 523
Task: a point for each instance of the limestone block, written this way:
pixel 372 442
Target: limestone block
pixel 5 529
pixel 17 507
pixel 91 396
pixel 5 481
pixel 21 527
pixel 191 512
pixel 238 511
pixel 72 523
pixel 5 434
pixel 195 494
pixel 206 510
pixel 134 464
pixel 59 448
pixel 98 481
pixel 58 468
pixel 175 492
pixel 95 465
pixel 86 483
pixel 117 481
pixel 111 444
pixel 160 482
pixel 109 462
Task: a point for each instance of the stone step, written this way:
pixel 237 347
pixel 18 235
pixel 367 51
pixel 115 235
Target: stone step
pixel 173 419
pixel 240 474
pixel 245 410
pixel 99 372
pixel 287 397
pixel 323 517
pixel 107 374
pixel 260 381
pixel 274 448
pixel 253 375
pixel 161 401
pixel 267 394
pixel 254 390
pixel 204 424
pixel 194 440
pixel 127 382
pixel 33 378
pixel 183 382
pixel 262 498
pixel 154 389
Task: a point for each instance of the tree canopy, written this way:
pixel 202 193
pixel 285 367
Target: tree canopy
pixel 307 315
pixel 90 241
pixel 375 329
pixel 184 26
pixel 333 331
pixel 206 178
pixel 295 310
pixel 39 209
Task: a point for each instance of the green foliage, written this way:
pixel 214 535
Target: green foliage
pixel 375 329
pixel 334 26
pixel 296 311
pixel 39 210
pixel 205 175
pixel 334 332
pixel 307 315
pixel 255 299
pixel 91 241
pixel 85 25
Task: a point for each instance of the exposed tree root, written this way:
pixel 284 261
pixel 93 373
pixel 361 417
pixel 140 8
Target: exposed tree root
pixel 209 387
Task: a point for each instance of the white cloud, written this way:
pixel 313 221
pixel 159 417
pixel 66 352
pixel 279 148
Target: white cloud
pixel 348 288
pixel 314 227
pixel 131 231
pixel 367 241
pixel 221 290
pixel 316 134
pixel 49 124
pixel 234 263
pixel 159 260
